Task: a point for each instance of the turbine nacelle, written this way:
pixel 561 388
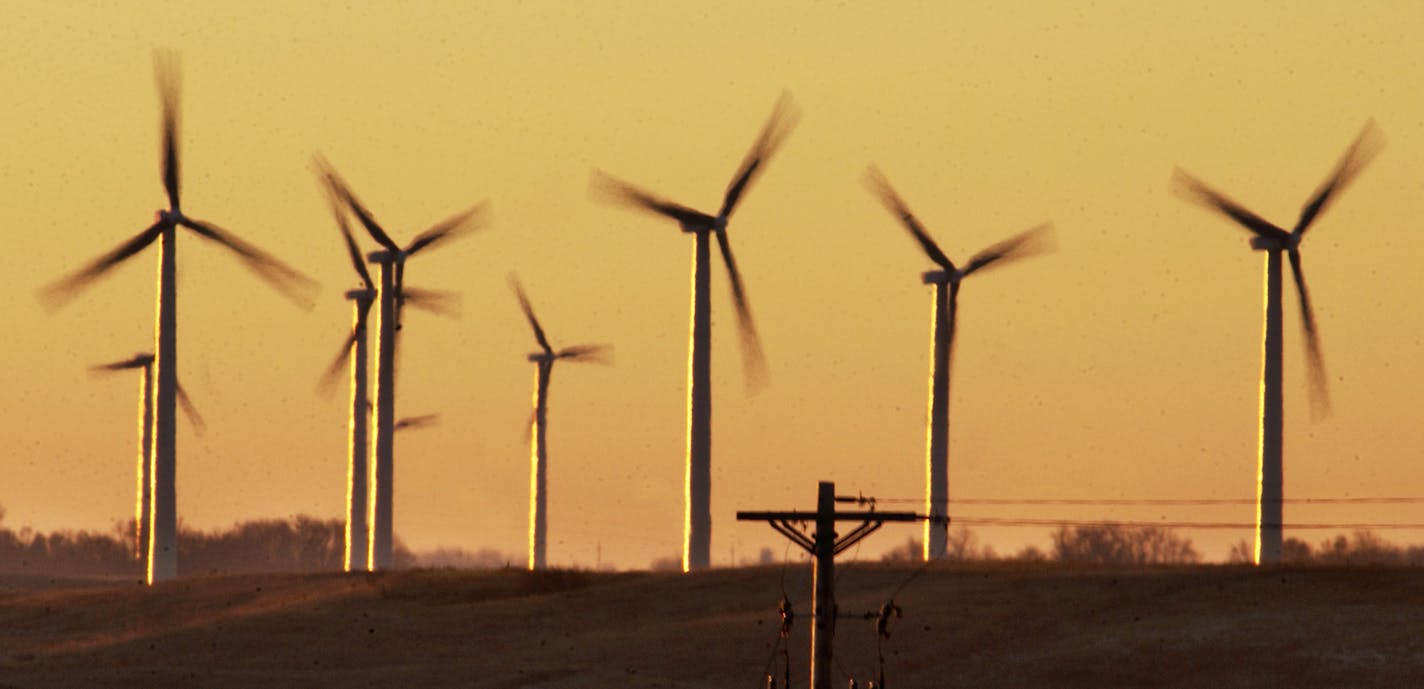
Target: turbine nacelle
pixel 541 357
pixel 1286 242
pixel 939 277
pixel 360 294
pixel 386 257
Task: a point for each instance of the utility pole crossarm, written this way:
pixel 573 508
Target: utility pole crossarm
pixel 865 529
pixel 823 545
pixel 800 516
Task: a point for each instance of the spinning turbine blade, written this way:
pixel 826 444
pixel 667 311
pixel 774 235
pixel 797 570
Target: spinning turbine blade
pixel 352 251
pixel 413 422
pixel 169 86
pixel 783 118
pixel 459 224
pixel 58 293
pixel 328 378
pixel 191 411
pixel 1036 240
pixel 367 220
pixel 1315 362
pixel 291 283
pixel 433 301
pixel 529 314
pixel 753 361
pixel 627 194
pixel 1191 189
pixel 136 361
pixel 1366 146
pixel 881 187
pixel 593 353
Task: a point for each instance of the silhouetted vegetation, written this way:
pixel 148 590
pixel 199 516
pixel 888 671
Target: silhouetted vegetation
pixel 297 544
pixel 1106 544
pixel 1116 544
pixel 1360 548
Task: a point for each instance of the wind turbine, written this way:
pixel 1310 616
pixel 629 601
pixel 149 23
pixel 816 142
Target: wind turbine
pixel 1273 240
pixel 539 455
pixel 697 516
pixel 353 355
pixel 163 555
pixel 946 301
pixel 392 295
pixel 144 362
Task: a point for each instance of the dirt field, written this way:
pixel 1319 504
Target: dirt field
pixel 964 626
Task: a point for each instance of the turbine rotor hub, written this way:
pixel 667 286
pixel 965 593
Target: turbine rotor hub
pixel 938 277
pixel 1285 242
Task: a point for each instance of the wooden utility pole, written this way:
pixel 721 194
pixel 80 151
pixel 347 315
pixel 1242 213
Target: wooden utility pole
pixel 824 546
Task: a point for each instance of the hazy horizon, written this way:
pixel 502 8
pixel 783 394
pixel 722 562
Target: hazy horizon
pixel 1123 366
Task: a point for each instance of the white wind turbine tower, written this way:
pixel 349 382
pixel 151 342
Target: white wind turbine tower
pixel 697 516
pixel 1273 240
pixel 163 551
pixel 392 295
pixel 144 475
pixel 353 355
pixel 539 454
pixel 945 306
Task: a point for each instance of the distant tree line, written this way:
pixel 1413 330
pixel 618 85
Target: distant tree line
pixel 1359 548
pixel 296 544
pixel 1116 544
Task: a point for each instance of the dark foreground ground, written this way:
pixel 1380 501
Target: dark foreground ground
pixel 963 626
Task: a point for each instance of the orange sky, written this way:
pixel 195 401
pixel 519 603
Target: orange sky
pixel 1124 365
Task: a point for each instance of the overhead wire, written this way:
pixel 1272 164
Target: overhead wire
pixel 1403 500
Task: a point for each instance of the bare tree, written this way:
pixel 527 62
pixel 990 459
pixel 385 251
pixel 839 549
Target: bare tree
pixel 1119 544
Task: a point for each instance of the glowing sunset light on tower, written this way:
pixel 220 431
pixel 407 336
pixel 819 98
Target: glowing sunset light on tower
pixel 538 432
pixel 163 551
pixel 945 306
pixel 1273 240
pixel 143 499
pixel 697 521
pixel 393 295
pixel 353 355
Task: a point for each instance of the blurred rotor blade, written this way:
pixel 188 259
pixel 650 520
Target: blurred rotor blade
pixel 191 411
pixel 1034 241
pixel 1192 189
pixel 459 224
pixel 60 292
pixel 136 361
pixel 327 382
pixel 753 361
pixel 1366 146
pixel 291 283
pixel 367 220
pixel 529 427
pixel 413 422
pixel 880 186
pixel 165 67
pixel 434 301
pixel 529 314
pixel 622 192
pixel 592 353
pixel 352 250
pixel 783 118
pixel 1315 362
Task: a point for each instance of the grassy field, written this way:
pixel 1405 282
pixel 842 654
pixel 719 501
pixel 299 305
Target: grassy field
pixel 988 625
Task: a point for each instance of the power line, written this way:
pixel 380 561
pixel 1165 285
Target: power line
pixel 1162 501
pixel 1023 521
